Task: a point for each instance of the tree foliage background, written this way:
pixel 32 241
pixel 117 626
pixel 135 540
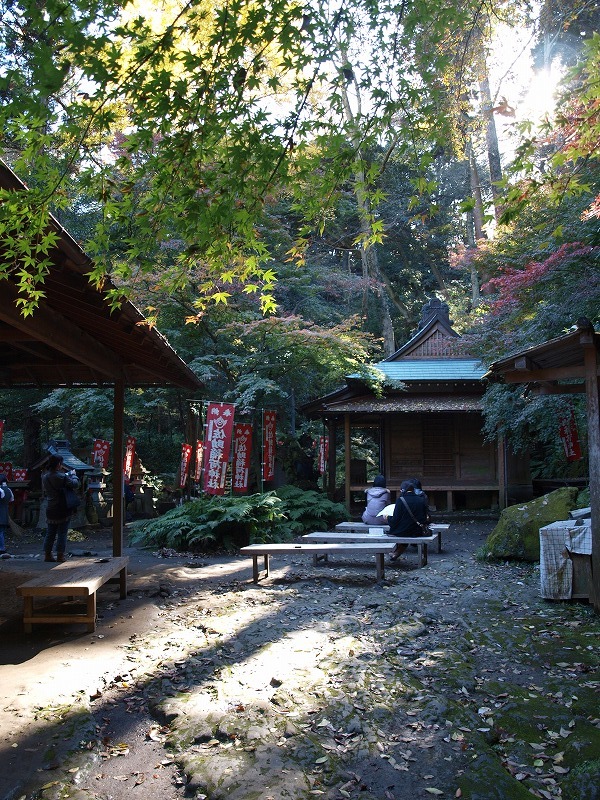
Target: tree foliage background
pixel 289 183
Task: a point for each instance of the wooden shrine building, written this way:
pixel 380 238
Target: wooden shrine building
pixel 427 424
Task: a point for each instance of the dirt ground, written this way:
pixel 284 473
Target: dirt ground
pixel 453 680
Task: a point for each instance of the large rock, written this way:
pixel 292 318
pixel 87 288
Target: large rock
pixel 516 536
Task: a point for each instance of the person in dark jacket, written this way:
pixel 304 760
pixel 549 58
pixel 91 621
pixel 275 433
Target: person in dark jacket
pixel 378 497
pixel 410 513
pixel 55 480
pixel 6 497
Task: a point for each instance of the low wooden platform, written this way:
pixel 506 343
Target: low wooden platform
pixel 362 527
pixel 80 577
pixel 341 537
pixel 318 551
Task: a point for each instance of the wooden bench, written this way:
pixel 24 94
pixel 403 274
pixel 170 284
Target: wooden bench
pixel 80 577
pixel 318 551
pixel 341 537
pixel 362 527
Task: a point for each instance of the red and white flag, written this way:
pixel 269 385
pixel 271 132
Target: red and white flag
pixel 241 456
pixel 323 453
pixel 198 465
pixel 129 456
pixel 186 455
pixel 19 474
pixel 101 452
pixel 217 446
pixel 567 428
pixel 269 431
pixel 6 468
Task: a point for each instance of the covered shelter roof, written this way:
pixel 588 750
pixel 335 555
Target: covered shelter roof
pixel 74 337
pixel 567 364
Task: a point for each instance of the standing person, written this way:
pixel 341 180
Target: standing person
pixel 6 497
pixel 410 513
pixel 58 515
pixel 378 497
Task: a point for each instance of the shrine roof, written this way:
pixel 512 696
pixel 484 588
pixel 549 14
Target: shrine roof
pixel 448 369
pixel 425 403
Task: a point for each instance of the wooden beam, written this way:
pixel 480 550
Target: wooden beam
pixel 524 363
pixel 118 453
pixel 57 332
pixel 557 388
pixel 543 375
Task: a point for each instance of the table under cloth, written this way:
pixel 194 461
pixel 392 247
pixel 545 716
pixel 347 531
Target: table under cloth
pixel 557 541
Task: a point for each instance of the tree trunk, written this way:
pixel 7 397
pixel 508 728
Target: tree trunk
pixel 491 135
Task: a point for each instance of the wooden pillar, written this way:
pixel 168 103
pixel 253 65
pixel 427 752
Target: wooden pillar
pixel 502 499
pixel 331 464
pixel 118 446
pixel 347 455
pixel 593 417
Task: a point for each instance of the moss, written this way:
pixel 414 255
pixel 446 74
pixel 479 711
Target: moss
pixel 488 780
pixel 516 536
pixel 583 782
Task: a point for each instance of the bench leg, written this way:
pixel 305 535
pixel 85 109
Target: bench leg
pixel 123 583
pixel 91 612
pixel 255 570
pixel 380 565
pixel 439 541
pixel 423 555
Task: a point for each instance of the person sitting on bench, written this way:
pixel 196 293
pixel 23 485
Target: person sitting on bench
pixel 410 516
pixel 378 497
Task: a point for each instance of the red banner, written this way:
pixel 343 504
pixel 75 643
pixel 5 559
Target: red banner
pixel 241 456
pixel 186 455
pixel 567 428
pixel 323 453
pixel 6 468
pixel 269 426
pixel 217 445
pixel 19 474
pixel 101 453
pixel 129 456
pixel 198 466
pixel 1 431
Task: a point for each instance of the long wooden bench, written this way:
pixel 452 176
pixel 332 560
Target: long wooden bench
pixel 80 577
pixel 341 537
pixel 362 527
pixel 318 551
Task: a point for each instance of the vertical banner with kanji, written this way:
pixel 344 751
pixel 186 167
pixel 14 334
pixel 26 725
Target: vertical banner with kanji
pixel 198 465
pixel 1 431
pixel 241 456
pixel 323 453
pixel 217 446
pixel 186 456
pixel 269 427
pixel 101 453
pixel 129 456
pixel 567 428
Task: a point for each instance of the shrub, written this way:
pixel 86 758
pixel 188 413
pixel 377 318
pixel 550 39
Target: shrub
pixel 211 522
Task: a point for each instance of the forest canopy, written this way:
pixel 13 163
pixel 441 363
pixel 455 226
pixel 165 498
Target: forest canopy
pixel 331 165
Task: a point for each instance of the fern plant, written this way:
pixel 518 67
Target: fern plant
pixel 210 523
